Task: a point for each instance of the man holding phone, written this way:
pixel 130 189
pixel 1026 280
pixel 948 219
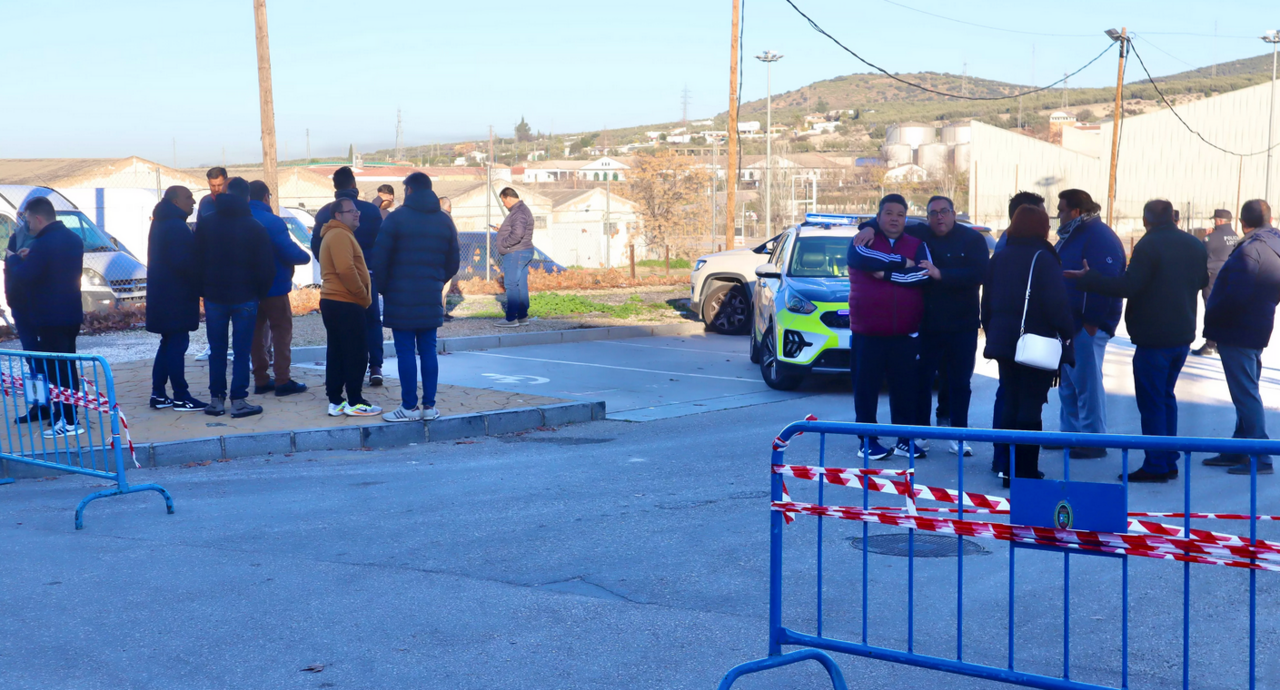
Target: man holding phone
pixel 515 245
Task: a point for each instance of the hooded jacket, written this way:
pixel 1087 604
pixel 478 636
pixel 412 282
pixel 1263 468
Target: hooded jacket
pixel 233 254
pixel 284 252
pixel 416 256
pixel 1091 240
pixel 173 286
pixel 344 277
pixel 366 232
pixel 892 305
pixel 1242 304
pixel 50 275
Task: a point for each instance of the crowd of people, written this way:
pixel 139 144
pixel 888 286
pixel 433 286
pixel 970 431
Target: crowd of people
pixel 920 292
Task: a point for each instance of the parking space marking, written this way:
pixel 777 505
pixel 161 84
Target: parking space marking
pixel 680 349
pixel 516 378
pixel 609 366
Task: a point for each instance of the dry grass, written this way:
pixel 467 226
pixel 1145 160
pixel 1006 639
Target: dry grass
pixel 304 301
pixel 572 279
pixel 120 318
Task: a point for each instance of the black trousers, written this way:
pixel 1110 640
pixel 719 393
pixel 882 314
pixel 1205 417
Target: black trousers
pixel 875 357
pixel 347 351
pixel 1026 390
pixel 63 373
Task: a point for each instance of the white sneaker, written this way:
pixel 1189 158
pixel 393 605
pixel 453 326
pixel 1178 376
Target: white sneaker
pixel 337 410
pixel 922 443
pixel 62 429
pixel 400 414
pixel 363 410
pixel 204 355
pixel 430 413
pixel 955 447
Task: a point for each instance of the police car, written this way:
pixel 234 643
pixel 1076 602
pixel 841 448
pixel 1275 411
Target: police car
pixel 800 322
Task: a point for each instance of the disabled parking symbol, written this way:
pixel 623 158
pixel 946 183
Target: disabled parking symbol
pixel 516 378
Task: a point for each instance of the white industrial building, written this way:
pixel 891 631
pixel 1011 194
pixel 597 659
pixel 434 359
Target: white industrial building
pixel 1159 158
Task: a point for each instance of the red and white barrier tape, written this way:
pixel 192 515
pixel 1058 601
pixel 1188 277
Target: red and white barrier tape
pixel 1207 516
pixel 779 444
pixel 97 402
pixel 839 475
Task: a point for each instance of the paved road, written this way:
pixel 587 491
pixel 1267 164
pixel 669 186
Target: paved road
pixel 613 554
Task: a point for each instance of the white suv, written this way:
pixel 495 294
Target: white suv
pixel 722 284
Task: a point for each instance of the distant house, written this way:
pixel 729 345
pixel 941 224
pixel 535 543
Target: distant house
pixel 606 167
pixel 679 138
pixel 825 127
pixel 808 164
pixel 752 126
pixel 906 173
pixel 814 118
pixel 560 171
pixel 703 123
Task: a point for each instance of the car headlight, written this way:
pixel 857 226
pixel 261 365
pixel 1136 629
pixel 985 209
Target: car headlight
pixel 90 278
pixel 800 305
pixel 697 265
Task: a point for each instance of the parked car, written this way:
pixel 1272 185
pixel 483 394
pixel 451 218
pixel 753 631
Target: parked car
pixel 472 247
pixel 112 276
pixel 800 314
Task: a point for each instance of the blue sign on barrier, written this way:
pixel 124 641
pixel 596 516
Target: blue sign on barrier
pixel 1063 516
pixel 40 389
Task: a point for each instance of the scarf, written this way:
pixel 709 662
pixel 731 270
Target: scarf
pixel 1065 231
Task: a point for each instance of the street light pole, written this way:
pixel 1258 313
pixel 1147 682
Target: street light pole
pixel 768 57
pixel 1272 37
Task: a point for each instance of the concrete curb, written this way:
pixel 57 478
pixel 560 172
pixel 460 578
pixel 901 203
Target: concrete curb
pixel 369 436
pixel 488 342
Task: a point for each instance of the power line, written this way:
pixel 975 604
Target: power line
pixel 1184 122
pixel 1175 57
pixel 922 87
pixel 992 28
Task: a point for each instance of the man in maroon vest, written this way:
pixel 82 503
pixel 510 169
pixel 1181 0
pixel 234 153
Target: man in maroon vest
pixel 886 304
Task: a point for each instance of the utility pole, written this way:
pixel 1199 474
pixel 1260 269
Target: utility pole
pixel 488 206
pixel 308 146
pixel 175 152
pixel 684 105
pixel 608 216
pixel 1065 102
pixel 715 188
pixel 732 187
pixel 964 78
pixel 768 58
pixel 1272 37
pixel 399 137
pixel 1123 38
pixel 268 109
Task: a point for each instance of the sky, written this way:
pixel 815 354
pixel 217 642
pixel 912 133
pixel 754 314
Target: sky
pixel 143 77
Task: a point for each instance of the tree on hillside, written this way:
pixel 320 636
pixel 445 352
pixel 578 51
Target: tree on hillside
pixel 822 105
pixel 672 196
pixel 523 131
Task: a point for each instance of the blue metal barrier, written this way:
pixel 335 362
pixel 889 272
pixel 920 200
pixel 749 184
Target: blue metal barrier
pixel 814 646
pixel 59 384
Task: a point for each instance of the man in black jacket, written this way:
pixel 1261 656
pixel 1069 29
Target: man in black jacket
pixel 949 330
pixel 173 300
pixel 1240 316
pixel 515 244
pixel 237 267
pixel 49 270
pixel 1220 242
pixel 1166 273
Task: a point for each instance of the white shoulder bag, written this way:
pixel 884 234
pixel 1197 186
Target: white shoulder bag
pixel 1036 351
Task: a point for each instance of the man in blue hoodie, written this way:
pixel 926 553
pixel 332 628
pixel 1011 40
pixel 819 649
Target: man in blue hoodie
pixel 275 313
pixel 344 184
pixel 1082 236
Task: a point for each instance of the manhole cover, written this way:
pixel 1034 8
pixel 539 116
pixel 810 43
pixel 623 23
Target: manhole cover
pixel 750 494
pixel 926 545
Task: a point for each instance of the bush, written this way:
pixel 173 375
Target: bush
pixel 573 279
pixel 661 263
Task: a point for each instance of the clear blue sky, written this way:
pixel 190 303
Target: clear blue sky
pixel 128 77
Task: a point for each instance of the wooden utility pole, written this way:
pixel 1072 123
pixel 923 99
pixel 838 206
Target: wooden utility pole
pixel 266 104
pixel 731 173
pixel 1115 128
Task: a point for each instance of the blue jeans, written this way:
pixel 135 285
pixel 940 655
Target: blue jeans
pixel 1243 368
pixel 1155 373
pixel 424 342
pixel 1084 401
pixel 170 367
pixel 515 278
pixel 240 320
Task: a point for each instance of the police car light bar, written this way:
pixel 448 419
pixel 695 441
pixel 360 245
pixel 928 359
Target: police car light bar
pixel 830 219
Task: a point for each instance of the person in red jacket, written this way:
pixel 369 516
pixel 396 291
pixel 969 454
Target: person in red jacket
pixel 886 304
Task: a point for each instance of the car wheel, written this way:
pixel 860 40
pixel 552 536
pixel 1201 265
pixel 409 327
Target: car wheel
pixel 753 350
pixel 727 310
pixel 771 370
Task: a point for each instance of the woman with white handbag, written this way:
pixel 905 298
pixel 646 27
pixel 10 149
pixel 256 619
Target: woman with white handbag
pixel 1028 326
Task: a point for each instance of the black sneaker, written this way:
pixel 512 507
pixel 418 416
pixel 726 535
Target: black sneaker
pixel 1088 453
pixel 289 388
pixel 188 405
pixel 1205 351
pixel 1141 476
pixel 375 376
pixel 1244 469
pixel 1225 460
pixel 160 402
pixel 35 414
pixel 267 387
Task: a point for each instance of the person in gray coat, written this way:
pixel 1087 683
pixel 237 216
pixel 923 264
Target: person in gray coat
pixel 515 244
pixel 415 257
pixel 1220 242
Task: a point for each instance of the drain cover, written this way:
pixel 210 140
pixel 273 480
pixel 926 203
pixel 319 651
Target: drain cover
pixel 926 545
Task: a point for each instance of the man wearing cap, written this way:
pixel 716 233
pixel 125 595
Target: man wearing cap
pixel 1220 242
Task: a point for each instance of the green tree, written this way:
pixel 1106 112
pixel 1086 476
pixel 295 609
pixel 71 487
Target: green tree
pixel 822 105
pixel 523 131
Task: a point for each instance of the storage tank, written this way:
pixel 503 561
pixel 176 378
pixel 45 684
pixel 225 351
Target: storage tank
pixel 896 154
pixel 913 134
pixel 957 133
pixel 961 156
pixel 933 157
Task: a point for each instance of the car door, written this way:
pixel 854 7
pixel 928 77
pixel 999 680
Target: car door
pixel 767 288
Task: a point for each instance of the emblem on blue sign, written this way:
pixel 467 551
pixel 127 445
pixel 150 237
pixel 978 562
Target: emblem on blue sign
pixel 1062 515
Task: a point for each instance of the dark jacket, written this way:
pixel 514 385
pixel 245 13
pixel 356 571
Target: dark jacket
pixel 50 276
pixel 1162 283
pixel 283 250
pixel 516 232
pixel 14 295
pixel 234 254
pixel 952 304
pixel 1004 295
pixel 1219 242
pixel 366 232
pixel 416 256
pixel 1242 304
pixel 893 304
pixel 173 286
pixel 1098 244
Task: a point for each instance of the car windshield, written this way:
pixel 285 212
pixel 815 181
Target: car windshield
pixel 94 239
pixel 820 257
pixel 298 230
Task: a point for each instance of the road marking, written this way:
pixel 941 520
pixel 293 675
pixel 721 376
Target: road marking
pixel 516 378
pixel 607 366
pixel 681 349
